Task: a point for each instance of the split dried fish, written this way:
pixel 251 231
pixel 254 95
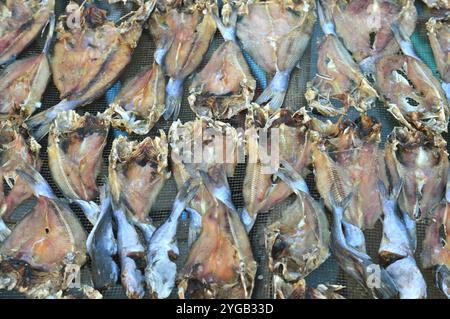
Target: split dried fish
pixel 137 173
pixel 275 34
pixel 75 151
pixel 290 137
pixel 397 248
pixel 46 249
pixel 24 81
pixel 140 102
pixel 438 4
pixel 356 263
pixel 347 159
pixel 16 144
pixel 297 243
pixel 438 34
pixel 225 86
pixel 102 246
pixel 436 251
pixel 420 159
pixel 183 31
pixel 88 56
pixel 302 291
pixel 21 21
pixel 411 92
pixel 220 263
pixel 338 77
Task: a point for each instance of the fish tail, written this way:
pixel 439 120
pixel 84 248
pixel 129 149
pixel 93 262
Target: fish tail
pixel 228 32
pixel 184 196
pixel 446 88
pixel 163 47
pixel 325 20
pixel 219 189
pixel 174 94
pixel 35 181
pixel 340 207
pixel 403 40
pixel 90 209
pixel 442 279
pixel 275 92
pixel 51 31
pixel 291 177
pixel 247 220
pixel 4 231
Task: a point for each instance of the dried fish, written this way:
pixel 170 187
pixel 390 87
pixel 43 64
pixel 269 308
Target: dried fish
pixel 16 144
pixel 438 34
pixel 46 249
pixel 338 76
pixel 437 4
pixel 21 21
pixel 220 263
pixel 225 86
pixel 183 31
pixel 88 56
pixel 24 81
pixel 301 291
pixel 287 136
pixel 297 243
pixel 75 151
pixel 276 33
pixel 140 102
pixel 420 159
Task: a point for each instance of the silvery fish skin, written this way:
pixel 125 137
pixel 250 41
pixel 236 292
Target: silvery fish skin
pixel 297 243
pixel 75 151
pixel 437 4
pixel 347 159
pixel 183 31
pixel 46 248
pixel 89 56
pixel 140 102
pixel 101 246
pixel 300 290
pixel 24 81
pixel 338 76
pixel 356 263
pixel 275 34
pixel 220 263
pixel 261 191
pixel 421 160
pixel 438 34
pixel 225 86
pixel 408 278
pixel 15 140
pixel 21 21
pixel 436 252
pixel 365 25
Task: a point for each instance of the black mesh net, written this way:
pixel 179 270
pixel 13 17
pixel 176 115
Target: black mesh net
pixel 328 272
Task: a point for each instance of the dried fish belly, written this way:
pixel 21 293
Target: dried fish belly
pixel 21 21
pixel 23 82
pixel 420 159
pixel 140 102
pixel 276 34
pixel 16 144
pixel 225 86
pixel 183 32
pixel 284 132
pixel 220 263
pixel 438 34
pixel 46 249
pixel 338 77
pixel 297 243
pixel 75 150
pixel 89 56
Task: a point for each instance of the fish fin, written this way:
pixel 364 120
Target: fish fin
pixel 290 176
pixel 219 189
pixel 383 190
pixel 442 279
pixel 35 181
pixel 51 31
pixel 184 196
pixel 174 94
pixel 446 88
pixel 4 231
pixel 275 92
pixel 326 23
pixel 247 220
pixel 163 47
pixel 403 40
pixel 396 189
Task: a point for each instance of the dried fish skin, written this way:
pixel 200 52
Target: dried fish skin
pixel 421 160
pixel 183 33
pixel 338 78
pixel 260 192
pixel 16 143
pixel 373 35
pixel 75 150
pixel 276 34
pixel 301 291
pixel 20 23
pixel 137 173
pixel 349 160
pixel 438 34
pixel 437 4
pixel 45 246
pixel 88 57
pixel 411 92
pixel 140 102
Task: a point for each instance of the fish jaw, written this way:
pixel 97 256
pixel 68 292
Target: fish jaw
pixel 225 86
pixel 438 30
pixel 75 150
